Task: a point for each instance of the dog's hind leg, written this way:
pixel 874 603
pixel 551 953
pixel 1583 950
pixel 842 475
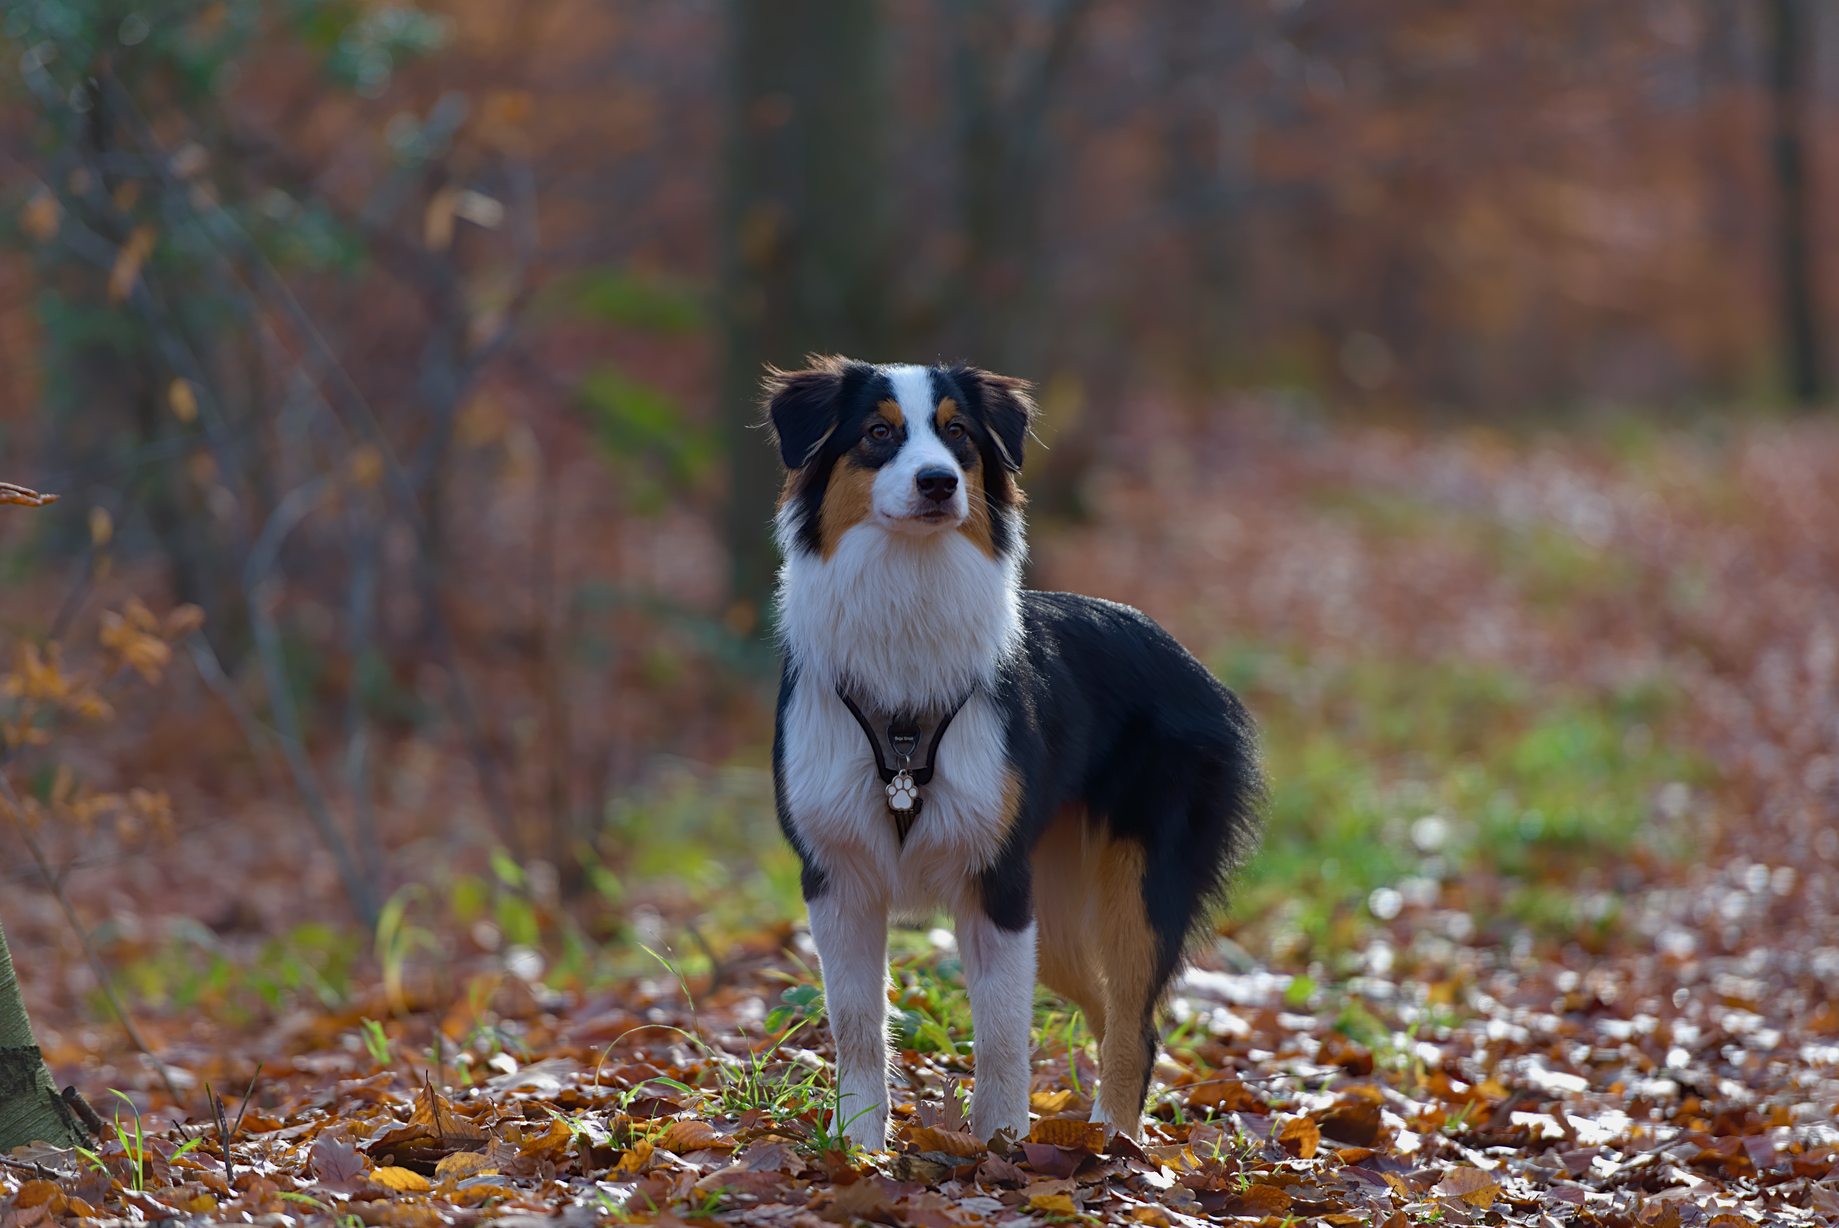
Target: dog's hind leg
pixel 999 969
pixel 1129 951
pixel 852 945
pixel 1065 908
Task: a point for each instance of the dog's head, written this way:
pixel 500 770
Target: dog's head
pixel 904 449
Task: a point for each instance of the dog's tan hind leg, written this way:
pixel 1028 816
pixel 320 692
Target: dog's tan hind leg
pixel 1127 951
pixel 1065 895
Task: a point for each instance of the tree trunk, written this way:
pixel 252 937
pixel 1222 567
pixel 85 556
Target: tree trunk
pixel 1001 87
pixel 1794 247
pixel 804 233
pixel 30 1108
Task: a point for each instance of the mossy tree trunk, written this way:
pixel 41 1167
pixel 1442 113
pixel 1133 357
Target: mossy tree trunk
pixel 30 1108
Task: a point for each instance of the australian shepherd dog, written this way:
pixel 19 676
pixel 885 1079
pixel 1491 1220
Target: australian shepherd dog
pixel 1053 770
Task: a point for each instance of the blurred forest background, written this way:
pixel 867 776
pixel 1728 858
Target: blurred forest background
pixel 1429 368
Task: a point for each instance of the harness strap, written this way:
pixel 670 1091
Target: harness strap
pixel 921 775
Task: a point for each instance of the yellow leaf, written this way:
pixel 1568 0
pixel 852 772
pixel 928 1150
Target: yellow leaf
pixel 41 215
pixel 464 1164
pixel 198 1204
pixel 128 262
pixel 1049 1103
pixel 1058 1203
pixel 182 400
pixel 633 1162
pixel 402 1180
pixel 1155 1217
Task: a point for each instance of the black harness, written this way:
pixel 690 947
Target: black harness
pixel 903 782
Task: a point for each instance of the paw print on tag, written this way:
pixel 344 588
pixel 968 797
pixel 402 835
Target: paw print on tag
pixel 902 793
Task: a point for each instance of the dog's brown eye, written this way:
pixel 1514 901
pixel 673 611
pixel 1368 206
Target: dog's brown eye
pixel 955 429
pixel 880 430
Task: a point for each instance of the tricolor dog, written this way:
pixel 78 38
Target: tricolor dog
pixel 1054 770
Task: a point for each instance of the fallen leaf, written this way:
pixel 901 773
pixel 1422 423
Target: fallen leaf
pixel 40 1194
pixel 461 1164
pixel 1059 1204
pixel 864 1199
pixel 692 1134
pixel 335 1161
pixel 952 1142
pixel 1069 1133
pixel 1054 1161
pixel 1258 1200
pixel 1355 1120
pixel 1471 1185
pixel 1300 1137
pixel 633 1162
pixel 402 1180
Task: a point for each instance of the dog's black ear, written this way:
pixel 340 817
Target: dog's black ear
pixel 1007 409
pixel 803 406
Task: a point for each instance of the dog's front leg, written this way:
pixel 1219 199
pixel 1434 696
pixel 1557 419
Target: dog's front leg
pixel 852 945
pixel 999 969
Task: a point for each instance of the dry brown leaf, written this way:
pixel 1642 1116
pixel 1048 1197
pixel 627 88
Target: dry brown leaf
pixel 633 1162
pixel 401 1180
pixel 692 1134
pixel 1049 1103
pixel 1071 1133
pixel 1259 1200
pixel 865 1199
pixel 1355 1120
pixel 1300 1136
pixel 951 1142
pixel 38 1194
pixel 1471 1185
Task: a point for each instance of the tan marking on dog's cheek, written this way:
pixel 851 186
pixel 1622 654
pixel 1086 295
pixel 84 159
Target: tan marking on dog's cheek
pixel 890 409
pixel 847 503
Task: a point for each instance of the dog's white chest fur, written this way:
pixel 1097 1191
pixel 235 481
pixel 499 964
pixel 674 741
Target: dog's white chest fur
pixel 906 623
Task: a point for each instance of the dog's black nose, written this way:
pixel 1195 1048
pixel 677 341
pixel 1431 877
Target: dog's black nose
pixel 937 484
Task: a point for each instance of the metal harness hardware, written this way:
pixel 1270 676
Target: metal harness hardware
pixel 903 781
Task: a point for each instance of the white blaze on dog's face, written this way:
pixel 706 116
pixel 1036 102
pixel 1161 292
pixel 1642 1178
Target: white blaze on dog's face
pixel 924 488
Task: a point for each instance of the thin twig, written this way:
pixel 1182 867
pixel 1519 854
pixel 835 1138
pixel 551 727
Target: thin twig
pixel 223 1135
pixel 95 963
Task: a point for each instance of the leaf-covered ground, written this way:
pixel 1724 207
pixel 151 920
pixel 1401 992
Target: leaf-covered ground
pixel 1543 932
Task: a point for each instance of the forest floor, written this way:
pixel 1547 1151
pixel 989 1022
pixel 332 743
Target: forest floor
pixel 1545 929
